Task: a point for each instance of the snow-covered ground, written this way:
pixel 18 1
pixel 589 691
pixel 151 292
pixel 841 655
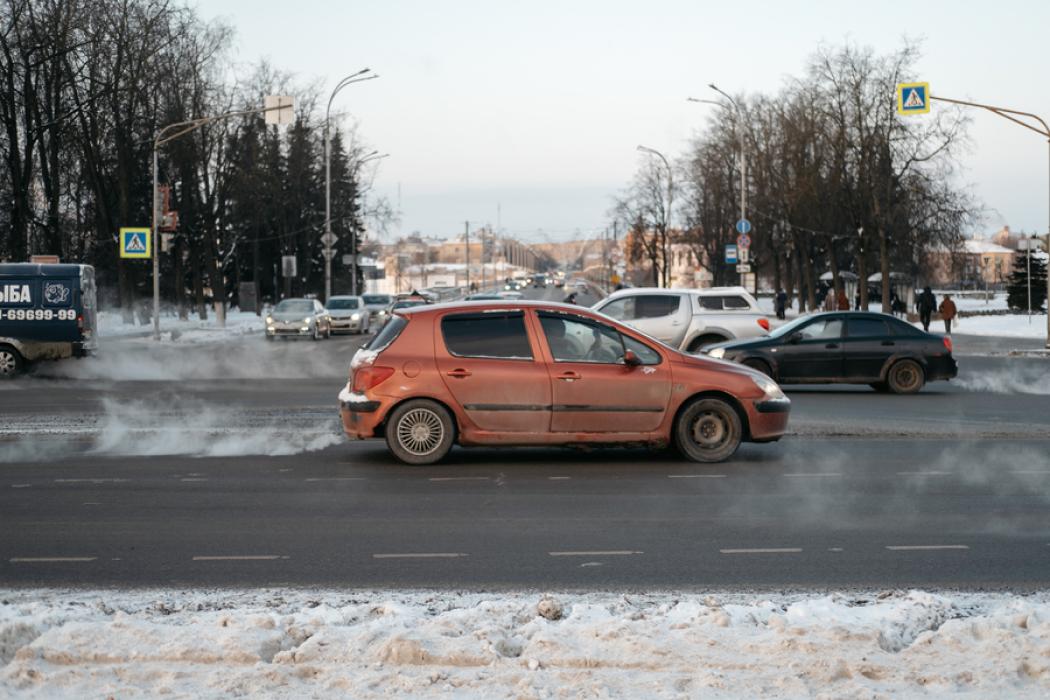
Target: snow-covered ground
pixel 360 644
pixel 193 330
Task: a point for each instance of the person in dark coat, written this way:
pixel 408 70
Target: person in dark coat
pixel 780 304
pixel 571 299
pixel 926 304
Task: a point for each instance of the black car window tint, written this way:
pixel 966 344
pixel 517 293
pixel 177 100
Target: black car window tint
pixel 487 335
pixel 866 328
pixel 711 303
pixel 646 354
pixel 572 340
pixel 903 329
pixel 655 305
pixel 736 303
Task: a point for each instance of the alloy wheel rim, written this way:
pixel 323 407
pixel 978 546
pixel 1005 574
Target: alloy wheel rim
pixel 7 362
pixel 710 430
pixel 420 431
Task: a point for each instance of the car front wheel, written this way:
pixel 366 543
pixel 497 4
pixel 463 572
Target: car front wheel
pixel 420 432
pixel 905 377
pixel 708 430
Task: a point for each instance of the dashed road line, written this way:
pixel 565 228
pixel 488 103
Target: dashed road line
pixel 925 473
pixel 459 478
pixel 91 481
pixel 835 549
pixel 1030 471
pixel 336 478
pixel 422 555
pixel 558 478
pixel 193 478
pixel 763 550
pixel 49 560
pixel 696 476
pixel 597 553
pixel 241 557
pixel 923 547
pixel 812 474
pixel 20 486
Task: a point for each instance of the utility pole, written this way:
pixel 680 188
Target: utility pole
pixel 466 250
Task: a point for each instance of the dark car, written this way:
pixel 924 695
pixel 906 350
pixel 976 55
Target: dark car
pixel 852 347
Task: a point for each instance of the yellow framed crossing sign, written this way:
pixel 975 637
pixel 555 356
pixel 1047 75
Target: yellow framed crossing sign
pixel 913 98
pixel 135 243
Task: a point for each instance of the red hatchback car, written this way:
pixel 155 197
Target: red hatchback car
pixel 540 373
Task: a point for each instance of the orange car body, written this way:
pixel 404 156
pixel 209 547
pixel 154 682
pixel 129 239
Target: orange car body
pixel 541 401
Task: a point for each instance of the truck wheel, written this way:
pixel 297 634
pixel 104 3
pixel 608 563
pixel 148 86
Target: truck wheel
pixel 420 432
pixel 708 430
pixel 11 362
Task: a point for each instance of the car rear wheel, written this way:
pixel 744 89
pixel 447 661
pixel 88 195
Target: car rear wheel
pixel 708 430
pixel 420 432
pixel 759 365
pixel 10 362
pixel 905 377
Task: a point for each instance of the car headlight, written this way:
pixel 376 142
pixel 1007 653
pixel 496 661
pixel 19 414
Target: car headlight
pixel 717 353
pixel 355 317
pixel 770 388
pixel 307 320
pixel 269 319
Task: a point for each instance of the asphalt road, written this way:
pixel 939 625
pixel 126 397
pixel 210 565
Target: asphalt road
pixel 950 488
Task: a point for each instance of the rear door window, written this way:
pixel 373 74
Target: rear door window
pixel 709 303
pixel 487 335
pixel 656 305
pixel 732 302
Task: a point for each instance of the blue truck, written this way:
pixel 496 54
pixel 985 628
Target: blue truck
pixel 47 312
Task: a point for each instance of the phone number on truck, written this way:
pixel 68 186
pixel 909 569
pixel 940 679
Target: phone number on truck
pixel 38 315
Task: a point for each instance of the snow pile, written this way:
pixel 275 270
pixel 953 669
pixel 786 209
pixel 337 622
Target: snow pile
pixel 1006 326
pixel 295 644
pixel 111 325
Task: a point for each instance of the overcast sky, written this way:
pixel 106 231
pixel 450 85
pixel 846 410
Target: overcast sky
pixel 537 107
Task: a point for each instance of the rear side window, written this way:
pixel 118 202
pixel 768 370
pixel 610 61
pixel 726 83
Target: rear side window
pixel 711 303
pixel 866 328
pixel 487 335
pixel 387 334
pixel 655 305
pixel 736 303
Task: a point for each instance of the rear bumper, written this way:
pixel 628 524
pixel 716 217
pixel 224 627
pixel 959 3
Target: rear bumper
pixel 942 368
pixel 360 415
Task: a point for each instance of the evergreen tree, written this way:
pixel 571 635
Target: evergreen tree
pixel 1017 286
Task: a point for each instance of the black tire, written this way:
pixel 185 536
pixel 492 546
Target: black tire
pixel 11 362
pixel 420 432
pixel 759 365
pixel 708 430
pixel 694 347
pixel 881 387
pixel 905 377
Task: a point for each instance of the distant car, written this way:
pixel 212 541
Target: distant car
pixel 348 315
pixel 688 319
pixel 377 305
pixel 541 373
pixel 300 318
pixel 559 282
pixel 513 285
pixel 510 295
pixel 486 296
pixel 539 281
pixel 852 347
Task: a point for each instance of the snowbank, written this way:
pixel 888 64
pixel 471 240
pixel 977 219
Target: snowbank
pixel 192 330
pixel 292 644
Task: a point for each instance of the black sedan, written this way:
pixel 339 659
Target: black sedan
pixel 850 347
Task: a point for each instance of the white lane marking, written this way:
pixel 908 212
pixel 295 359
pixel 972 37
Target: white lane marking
pixel 813 474
pixel 90 481
pixel 924 547
pixel 195 478
pixel 835 549
pixel 558 478
pixel 421 555
pixel 924 473
pixel 597 553
pixel 20 486
pixel 46 560
pixel 696 476
pixel 1030 471
pixel 336 478
pixel 459 478
pixel 241 557
pixel 763 550
pixel 91 503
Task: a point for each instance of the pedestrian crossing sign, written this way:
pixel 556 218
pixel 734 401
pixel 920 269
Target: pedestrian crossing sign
pixel 135 242
pixel 913 98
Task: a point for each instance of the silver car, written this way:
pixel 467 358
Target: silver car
pixel 300 318
pixel 348 315
pixel 688 319
pixel 378 306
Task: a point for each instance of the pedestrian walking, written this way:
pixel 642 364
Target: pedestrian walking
pixel 571 299
pixel 843 301
pixel 780 305
pixel 926 305
pixel 829 300
pixel 948 312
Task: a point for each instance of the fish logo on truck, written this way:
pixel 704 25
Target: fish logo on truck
pixel 15 294
pixel 56 293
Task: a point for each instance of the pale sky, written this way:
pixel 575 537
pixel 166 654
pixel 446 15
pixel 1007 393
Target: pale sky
pixel 537 107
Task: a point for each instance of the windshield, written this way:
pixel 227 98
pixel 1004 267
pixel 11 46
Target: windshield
pixel 343 304
pixel 383 299
pixel 295 306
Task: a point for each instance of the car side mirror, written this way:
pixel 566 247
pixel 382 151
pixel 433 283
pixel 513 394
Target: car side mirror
pixel 631 359
pixel 795 338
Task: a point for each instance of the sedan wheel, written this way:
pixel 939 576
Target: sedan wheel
pixel 708 430
pixel 10 362
pixel 420 432
pixel 906 377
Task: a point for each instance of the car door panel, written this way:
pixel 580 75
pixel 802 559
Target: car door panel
pixel 866 347
pixel 817 357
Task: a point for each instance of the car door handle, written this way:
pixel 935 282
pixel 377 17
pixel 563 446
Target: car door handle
pixel 888 342
pixel 831 346
pixel 459 373
pixel 569 376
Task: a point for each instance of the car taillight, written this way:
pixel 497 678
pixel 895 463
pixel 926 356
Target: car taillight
pixel 366 378
pixel 80 322
pixel 947 343
pixel 764 323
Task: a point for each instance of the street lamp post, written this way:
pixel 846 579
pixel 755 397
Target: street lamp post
pixel 667 219
pixel 329 239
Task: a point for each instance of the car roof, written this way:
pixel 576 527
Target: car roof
pixel 706 291
pixel 500 305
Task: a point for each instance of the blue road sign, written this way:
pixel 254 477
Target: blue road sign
pixel 731 253
pixel 135 242
pixel 743 226
pixel 913 98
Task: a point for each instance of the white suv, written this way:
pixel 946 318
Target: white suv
pixel 688 319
